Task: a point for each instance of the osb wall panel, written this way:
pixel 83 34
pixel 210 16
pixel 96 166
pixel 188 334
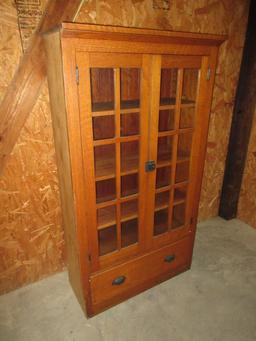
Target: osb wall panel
pixel 247 200
pixel 31 239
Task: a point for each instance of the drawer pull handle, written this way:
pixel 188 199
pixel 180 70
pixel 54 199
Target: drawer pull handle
pixel 169 258
pixel 119 280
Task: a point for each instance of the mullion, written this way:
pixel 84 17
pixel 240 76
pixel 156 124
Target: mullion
pixel 118 155
pixel 175 142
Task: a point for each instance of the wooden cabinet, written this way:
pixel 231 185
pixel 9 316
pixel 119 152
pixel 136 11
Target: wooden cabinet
pixel 130 111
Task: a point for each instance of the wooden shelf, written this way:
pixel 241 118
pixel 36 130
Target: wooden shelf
pixel 105 168
pixel 169 103
pixel 108 108
pixel 107 215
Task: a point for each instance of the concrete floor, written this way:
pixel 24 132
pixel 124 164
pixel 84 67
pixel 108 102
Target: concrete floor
pixel 215 300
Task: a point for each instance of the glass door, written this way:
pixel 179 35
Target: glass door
pixel 174 148
pixel 112 84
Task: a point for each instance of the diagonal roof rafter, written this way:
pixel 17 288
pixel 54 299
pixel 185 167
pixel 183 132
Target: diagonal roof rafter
pixel 23 91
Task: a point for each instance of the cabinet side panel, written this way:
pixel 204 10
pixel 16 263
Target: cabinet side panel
pixel 59 120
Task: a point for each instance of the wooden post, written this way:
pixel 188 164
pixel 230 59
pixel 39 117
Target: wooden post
pixel 245 102
pixel 23 91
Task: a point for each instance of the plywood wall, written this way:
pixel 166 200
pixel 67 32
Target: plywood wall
pixel 247 200
pixel 31 236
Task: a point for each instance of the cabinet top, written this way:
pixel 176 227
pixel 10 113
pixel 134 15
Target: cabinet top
pixel 92 31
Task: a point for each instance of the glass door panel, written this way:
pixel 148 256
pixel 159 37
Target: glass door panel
pixel 116 122
pixel 102 97
pixel 129 223
pixel 168 88
pixel 176 117
pixel 188 98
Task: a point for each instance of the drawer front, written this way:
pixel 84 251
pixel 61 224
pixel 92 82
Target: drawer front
pixel 125 277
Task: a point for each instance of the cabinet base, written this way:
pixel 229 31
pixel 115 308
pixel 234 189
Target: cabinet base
pixel 94 309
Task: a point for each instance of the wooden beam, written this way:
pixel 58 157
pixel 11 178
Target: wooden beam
pixel 245 102
pixel 23 91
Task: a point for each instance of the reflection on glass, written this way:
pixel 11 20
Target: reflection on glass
pixel 129 184
pixel 184 146
pixel 164 149
pixel 178 216
pixel 130 88
pixel 166 120
pixel 189 89
pixel 129 210
pixel 163 177
pixel 187 116
pixel 106 216
pixel 182 172
pixel 162 200
pixel 107 240
pixel 161 222
pixel 105 190
pixel 168 87
pixel 129 232
pixel 129 156
pixel 105 161
pixel 130 124
pixel 103 127
pixel 180 194
pixel 102 89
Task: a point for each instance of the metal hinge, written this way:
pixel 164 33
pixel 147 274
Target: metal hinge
pixel 89 257
pixel 77 75
pixel 208 74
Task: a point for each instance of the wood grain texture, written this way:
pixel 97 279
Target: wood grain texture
pixel 30 176
pixel 61 139
pixel 247 200
pixel 245 102
pixel 25 86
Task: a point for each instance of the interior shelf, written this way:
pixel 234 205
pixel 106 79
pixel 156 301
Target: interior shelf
pixel 169 103
pixel 105 168
pixel 110 106
pixel 107 108
pixel 107 216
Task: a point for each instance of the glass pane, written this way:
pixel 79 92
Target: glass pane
pixel 129 184
pixel 107 240
pixel 164 149
pixel 187 116
pixel 102 89
pixel 178 216
pixel 160 222
pixel 105 190
pixel 129 210
pixel 162 200
pixel 130 88
pixel 106 216
pixel 103 127
pixel 129 232
pixel 182 172
pixel 166 120
pixel 168 86
pixel 184 146
pixel 189 90
pixel 129 157
pixel 180 194
pixel 163 177
pixel 130 124
pixel 105 161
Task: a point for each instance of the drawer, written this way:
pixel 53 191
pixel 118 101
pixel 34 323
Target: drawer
pixel 126 277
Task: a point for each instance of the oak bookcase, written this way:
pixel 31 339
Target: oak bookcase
pixel 130 111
